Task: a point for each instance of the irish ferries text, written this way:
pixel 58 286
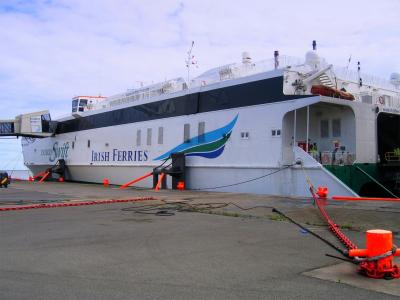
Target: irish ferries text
pixel 120 155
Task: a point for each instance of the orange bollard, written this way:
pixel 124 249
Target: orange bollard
pixel 376 261
pixel 322 191
pixel 106 183
pixel 181 185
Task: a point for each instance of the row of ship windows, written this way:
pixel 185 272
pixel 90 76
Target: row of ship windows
pixel 336 126
pixel 160 140
pixel 245 135
pixel 186 134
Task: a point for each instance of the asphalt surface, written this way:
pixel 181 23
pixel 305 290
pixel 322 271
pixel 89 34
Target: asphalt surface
pixel 102 252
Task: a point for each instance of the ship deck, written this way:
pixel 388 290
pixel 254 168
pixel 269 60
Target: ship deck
pixel 105 252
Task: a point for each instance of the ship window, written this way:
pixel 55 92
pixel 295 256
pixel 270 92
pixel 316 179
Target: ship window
pixel 186 133
pixel 82 104
pixel 160 135
pixel 201 130
pixel 46 117
pixel 324 128
pixel 244 135
pixel 88 143
pixel 336 127
pixel 366 99
pixel 148 136
pixel 74 105
pixel 138 137
pixel 276 132
pixel 7 127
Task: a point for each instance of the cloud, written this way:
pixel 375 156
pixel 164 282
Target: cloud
pixel 54 50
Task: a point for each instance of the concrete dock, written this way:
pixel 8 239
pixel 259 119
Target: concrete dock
pixel 108 252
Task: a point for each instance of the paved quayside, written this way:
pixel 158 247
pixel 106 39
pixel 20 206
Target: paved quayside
pixel 104 252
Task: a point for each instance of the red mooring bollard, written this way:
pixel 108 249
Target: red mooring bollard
pixel 322 191
pixel 376 261
pixel 106 182
pixel 181 185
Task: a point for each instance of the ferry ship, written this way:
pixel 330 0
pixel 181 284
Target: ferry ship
pixel 250 127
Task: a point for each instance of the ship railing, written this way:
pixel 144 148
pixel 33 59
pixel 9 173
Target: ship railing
pixel 334 158
pixel 367 79
pixel 394 102
pixel 239 70
pixel 144 93
pixel 392 156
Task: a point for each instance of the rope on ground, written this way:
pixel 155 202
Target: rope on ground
pixel 170 208
pixel 330 244
pixel 78 203
pixel 167 208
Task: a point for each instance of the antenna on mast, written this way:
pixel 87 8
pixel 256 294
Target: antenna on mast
pixel 189 62
pixel 348 62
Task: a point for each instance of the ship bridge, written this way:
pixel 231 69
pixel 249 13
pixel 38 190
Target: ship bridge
pixel 36 124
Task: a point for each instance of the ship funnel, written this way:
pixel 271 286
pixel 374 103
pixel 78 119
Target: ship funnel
pixel 246 59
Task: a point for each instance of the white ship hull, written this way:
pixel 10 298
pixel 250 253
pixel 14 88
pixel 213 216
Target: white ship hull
pixel 234 133
pixel 242 159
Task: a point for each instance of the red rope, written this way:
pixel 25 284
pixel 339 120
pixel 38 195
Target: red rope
pixel 81 203
pixel 332 226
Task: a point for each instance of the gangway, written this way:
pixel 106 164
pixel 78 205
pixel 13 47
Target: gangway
pixel 36 124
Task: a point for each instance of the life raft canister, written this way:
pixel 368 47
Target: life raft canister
pixel 330 92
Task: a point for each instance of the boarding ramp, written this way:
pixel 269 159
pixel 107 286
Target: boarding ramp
pixel 36 124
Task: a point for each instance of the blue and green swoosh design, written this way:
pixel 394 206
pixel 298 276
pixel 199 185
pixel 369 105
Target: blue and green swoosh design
pixel 208 145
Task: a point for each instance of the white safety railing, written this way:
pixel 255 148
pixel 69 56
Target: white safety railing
pixel 152 91
pixel 238 70
pixel 367 79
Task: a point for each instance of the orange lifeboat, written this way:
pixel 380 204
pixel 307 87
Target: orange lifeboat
pixel 330 92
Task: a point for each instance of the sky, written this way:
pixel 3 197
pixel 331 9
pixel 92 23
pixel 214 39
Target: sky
pixel 52 50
